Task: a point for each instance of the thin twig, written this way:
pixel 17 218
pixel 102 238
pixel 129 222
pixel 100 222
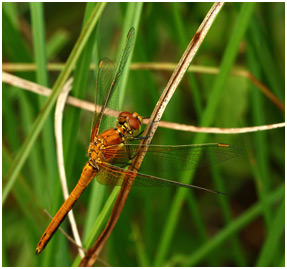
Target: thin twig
pixel 214 130
pixel 36 88
pixel 161 66
pixel 266 91
pixel 60 158
pixel 175 79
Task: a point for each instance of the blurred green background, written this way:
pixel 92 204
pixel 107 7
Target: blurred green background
pixel 158 226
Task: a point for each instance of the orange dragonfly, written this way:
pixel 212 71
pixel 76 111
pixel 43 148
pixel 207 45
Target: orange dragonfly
pixel 112 150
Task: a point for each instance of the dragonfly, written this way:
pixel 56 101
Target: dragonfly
pixel 110 151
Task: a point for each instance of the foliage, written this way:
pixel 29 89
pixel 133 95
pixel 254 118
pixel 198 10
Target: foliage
pixel 243 229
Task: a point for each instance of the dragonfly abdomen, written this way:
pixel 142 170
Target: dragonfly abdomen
pixel 87 176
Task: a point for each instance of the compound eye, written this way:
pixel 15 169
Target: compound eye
pixel 134 123
pixel 123 117
pixel 138 117
pixel 125 114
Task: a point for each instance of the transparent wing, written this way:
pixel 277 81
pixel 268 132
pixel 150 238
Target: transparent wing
pixel 106 72
pixel 107 81
pixel 175 158
pixel 114 176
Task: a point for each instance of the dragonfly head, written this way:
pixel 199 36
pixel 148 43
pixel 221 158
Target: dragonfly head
pixel 130 122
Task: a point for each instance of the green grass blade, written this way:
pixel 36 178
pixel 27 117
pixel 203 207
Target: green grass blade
pixel 39 122
pixel 24 194
pixel 142 256
pixel 17 52
pixel 94 207
pixel 207 119
pixel 236 225
pixel 56 43
pixel 275 235
pixel 12 41
pixel 237 251
pixel 39 42
pixel 8 115
pixel 183 41
pixel 79 90
pixel 132 18
pixel 268 64
pixel 260 138
pixel 39 45
pixel 199 222
pixel 228 60
pixel 10 9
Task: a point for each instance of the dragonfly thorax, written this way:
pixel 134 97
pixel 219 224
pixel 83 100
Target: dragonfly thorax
pixel 130 123
pixel 104 146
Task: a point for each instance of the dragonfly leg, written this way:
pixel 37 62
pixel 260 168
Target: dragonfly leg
pixel 130 156
pixel 123 165
pixel 129 153
pixel 138 137
pixel 93 164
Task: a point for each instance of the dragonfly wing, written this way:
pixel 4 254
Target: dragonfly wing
pixel 106 72
pixel 178 158
pixel 108 80
pixel 124 56
pixel 110 175
pixel 115 176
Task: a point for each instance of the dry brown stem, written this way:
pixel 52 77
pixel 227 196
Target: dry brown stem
pixel 161 66
pixel 36 88
pixel 214 130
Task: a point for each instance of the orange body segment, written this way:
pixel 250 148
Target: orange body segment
pixel 87 176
